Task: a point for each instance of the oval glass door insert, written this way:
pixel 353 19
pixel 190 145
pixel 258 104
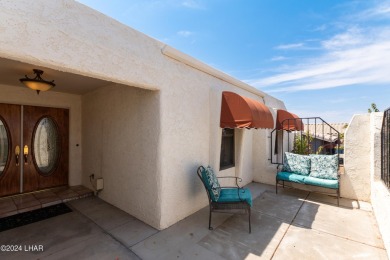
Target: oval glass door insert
pixel 46 147
pixel 4 140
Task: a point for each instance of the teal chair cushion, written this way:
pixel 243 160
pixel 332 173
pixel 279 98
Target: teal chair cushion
pixel 235 195
pixel 324 166
pixel 211 182
pixel 331 184
pixel 289 176
pixel 296 163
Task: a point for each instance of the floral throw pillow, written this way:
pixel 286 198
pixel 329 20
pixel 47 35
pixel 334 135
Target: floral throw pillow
pixel 296 163
pixel 324 166
pixel 212 183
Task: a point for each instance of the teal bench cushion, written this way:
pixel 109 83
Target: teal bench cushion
pixel 231 195
pixel 289 176
pixel 211 182
pixel 331 184
pixel 296 163
pixel 326 183
pixel 324 166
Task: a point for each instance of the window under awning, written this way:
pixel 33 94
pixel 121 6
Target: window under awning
pixel 288 121
pixel 242 112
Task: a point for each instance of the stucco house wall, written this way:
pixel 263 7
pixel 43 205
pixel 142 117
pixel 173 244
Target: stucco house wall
pixel 192 137
pixel 146 144
pixel 120 127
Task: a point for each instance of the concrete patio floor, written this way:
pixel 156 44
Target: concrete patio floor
pixel 293 224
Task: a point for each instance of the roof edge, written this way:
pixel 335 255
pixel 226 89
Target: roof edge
pixel 192 62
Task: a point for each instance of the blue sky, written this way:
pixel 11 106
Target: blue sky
pixel 327 58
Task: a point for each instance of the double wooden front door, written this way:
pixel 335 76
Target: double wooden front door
pixel 34 148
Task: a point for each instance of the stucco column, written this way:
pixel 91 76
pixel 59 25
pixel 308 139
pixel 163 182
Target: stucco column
pixel 355 182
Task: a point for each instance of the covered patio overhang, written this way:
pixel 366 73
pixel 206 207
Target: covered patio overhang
pixel 102 114
pixel 66 94
pixel 11 71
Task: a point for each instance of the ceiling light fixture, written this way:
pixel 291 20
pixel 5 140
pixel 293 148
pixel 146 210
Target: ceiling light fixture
pixel 37 83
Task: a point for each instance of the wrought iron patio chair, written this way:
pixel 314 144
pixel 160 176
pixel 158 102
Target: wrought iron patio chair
pixel 232 200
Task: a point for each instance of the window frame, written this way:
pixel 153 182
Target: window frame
pixel 228 134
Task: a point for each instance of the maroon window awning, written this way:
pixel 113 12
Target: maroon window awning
pixel 242 112
pixel 288 121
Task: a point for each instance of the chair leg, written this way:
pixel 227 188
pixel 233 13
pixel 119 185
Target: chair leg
pixel 283 184
pixel 276 187
pixel 210 228
pixel 338 197
pixel 250 227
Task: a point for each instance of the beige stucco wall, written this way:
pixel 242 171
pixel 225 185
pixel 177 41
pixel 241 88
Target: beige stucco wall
pixel 264 170
pixel 380 194
pixel 355 182
pixel 121 128
pixel 24 96
pixel 77 39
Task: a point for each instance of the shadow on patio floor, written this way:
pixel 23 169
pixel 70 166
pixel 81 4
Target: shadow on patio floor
pixel 292 224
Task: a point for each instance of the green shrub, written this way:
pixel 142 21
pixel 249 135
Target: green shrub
pixel 302 144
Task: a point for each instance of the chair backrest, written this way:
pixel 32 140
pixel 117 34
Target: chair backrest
pixel 199 172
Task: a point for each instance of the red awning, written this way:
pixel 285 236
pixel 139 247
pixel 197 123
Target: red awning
pixel 282 122
pixel 242 112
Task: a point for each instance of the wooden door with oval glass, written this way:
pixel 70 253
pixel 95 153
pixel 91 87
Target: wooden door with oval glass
pixel 42 159
pixel 45 147
pixel 9 149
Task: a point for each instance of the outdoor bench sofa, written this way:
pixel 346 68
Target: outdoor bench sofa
pixel 313 169
pixel 225 199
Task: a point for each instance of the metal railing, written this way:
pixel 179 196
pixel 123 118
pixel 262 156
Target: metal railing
pixel 310 135
pixel 385 148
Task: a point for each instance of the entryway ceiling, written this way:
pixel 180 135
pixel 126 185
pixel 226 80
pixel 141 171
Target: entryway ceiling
pixel 11 71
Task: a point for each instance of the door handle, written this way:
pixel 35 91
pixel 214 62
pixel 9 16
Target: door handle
pixel 17 153
pixel 25 153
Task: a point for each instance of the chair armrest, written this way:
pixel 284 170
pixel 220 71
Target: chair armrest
pixel 238 179
pixel 279 167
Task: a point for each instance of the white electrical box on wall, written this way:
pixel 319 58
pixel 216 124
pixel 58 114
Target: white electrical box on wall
pixel 99 184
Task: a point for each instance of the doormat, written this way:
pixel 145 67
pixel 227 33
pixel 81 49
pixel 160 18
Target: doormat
pixel 33 216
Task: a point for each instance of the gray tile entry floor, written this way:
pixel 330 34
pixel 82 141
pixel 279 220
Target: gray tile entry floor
pixel 20 203
pixel 291 225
